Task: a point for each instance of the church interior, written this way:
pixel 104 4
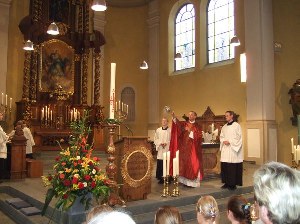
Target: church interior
pixel 95 64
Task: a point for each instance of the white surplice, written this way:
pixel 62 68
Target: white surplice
pixel 162 136
pixel 3 141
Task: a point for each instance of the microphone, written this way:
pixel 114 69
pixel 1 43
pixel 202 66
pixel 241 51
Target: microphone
pixel 128 129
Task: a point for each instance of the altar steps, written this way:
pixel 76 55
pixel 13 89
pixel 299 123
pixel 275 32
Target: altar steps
pixel 144 213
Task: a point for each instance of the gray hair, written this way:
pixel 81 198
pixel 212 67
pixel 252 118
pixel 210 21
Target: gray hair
pixel 112 217
pixel 277 187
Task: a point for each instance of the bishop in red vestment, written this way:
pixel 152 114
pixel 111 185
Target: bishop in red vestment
pixel 186 136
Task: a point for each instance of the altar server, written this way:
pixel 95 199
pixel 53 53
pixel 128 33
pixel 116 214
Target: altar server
pixel 3 141
pixel 231 153
pixel 162 139
pixel 30 141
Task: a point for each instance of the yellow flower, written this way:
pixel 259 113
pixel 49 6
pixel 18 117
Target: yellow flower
pixel 67 170
pixel 76 175
pixel 75 171
pixel 75 187
pixel 85 165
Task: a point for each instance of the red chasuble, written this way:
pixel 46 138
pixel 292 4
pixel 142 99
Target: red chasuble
pixel 190 150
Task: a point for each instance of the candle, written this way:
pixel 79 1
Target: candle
pixel 5 99
pixel 127 109
pixel 2 98
pixel 112 91
pixel 116 106
pixel 122 107
pixel 51 115
pixel 298 153
pixel 71 117
pixel 10 102
pixel 292 143
pixel 168 162
pixel 174 167
pixel 42 117
pixel 164 164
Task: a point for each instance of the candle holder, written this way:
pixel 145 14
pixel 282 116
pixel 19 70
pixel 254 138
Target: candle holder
pixel 295 164
pixel 176 188
pixel 166 192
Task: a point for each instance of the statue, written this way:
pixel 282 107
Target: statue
pixel 295 101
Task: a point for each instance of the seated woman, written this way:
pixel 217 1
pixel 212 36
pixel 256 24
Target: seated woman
pixel 238 210
pixel 167 215
pixel 207 210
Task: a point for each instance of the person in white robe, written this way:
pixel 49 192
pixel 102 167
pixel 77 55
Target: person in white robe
pixel 3 141
pixel 30 141
pixel 162 139
pixel 231 153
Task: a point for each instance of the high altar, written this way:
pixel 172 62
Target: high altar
pixel 57 72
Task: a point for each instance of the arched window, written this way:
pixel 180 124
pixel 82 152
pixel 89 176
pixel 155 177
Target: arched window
pixel 128 97
pixel 220 30
pixel 185 37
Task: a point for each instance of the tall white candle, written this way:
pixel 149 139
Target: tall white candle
pixel 168 163
pixel 42 117
pixel 5 99
pixel 2 98
pixel 177 166
pixel 174 166
pixel 292 143
pixel 298 153
pixel 112 91
pixel 127 109
pixel 51 115
pixel 10 102
pixel 164 164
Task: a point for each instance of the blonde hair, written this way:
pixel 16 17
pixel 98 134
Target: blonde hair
pixel 97 210
pixel 277 187
pixel 167 215
pixel 208 208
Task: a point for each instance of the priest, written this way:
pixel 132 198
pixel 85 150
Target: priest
pixel 186 136
pixel 231 152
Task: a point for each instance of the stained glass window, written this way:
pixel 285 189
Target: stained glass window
pixel 220 30
pixel 185 37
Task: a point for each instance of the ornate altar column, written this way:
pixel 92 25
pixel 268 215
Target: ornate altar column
pixel 26 78
pixel 97 56
pixel 85 58
pixel 153 77
pixel 261 133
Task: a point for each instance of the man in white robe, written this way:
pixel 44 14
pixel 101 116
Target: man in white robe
pixel 231 153
pixel 162 142
pixel 30 141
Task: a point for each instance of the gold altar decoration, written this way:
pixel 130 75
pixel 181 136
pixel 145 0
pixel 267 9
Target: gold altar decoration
pixel 141 155
pixel 33 79
pixel 26 78
pixel 85 58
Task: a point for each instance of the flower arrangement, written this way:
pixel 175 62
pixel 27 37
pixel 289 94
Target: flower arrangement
pixel 76 172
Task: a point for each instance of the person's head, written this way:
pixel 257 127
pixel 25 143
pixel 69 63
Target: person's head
pixel 192 116
pixel 229 115
pixel 111 217
pixel 207 210
pixel 238 209
pixel 277 191
pixel 167 215
pixel 97 210
pixel 164 122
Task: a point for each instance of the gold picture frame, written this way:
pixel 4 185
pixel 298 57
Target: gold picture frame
pixel 56 66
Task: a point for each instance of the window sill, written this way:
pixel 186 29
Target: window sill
pixel 183 71
pixel 221 63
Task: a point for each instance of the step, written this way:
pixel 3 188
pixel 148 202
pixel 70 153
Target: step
pixel 186 206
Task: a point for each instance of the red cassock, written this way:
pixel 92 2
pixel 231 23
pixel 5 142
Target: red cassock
pixel 190 150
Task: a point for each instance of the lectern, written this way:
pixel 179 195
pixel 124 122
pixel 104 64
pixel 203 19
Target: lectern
pixel 135 163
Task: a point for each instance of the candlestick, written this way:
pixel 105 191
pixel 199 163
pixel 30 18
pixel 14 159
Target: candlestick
pixel 112 91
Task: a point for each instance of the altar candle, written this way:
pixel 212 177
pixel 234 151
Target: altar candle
pixel 42 117
pixel 71 115
pixel 168 162
pixel 5 99
pixel 127 109
pixel 174 167
pixel 177 166
pixel 112 91
pixel 2 98
pixel 10 102
pixel 164 164
pixel 46 112
pixel 51 115
pixel 116 106
pixel 292 143
pixel 298 153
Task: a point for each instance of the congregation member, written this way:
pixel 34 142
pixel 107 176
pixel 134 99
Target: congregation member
pixel 162 139
pixel 207 210
pixel 107 216
pixel 231 153
pixel 277 191
pixel 186 136
pixel 238 210
pixel 167 215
